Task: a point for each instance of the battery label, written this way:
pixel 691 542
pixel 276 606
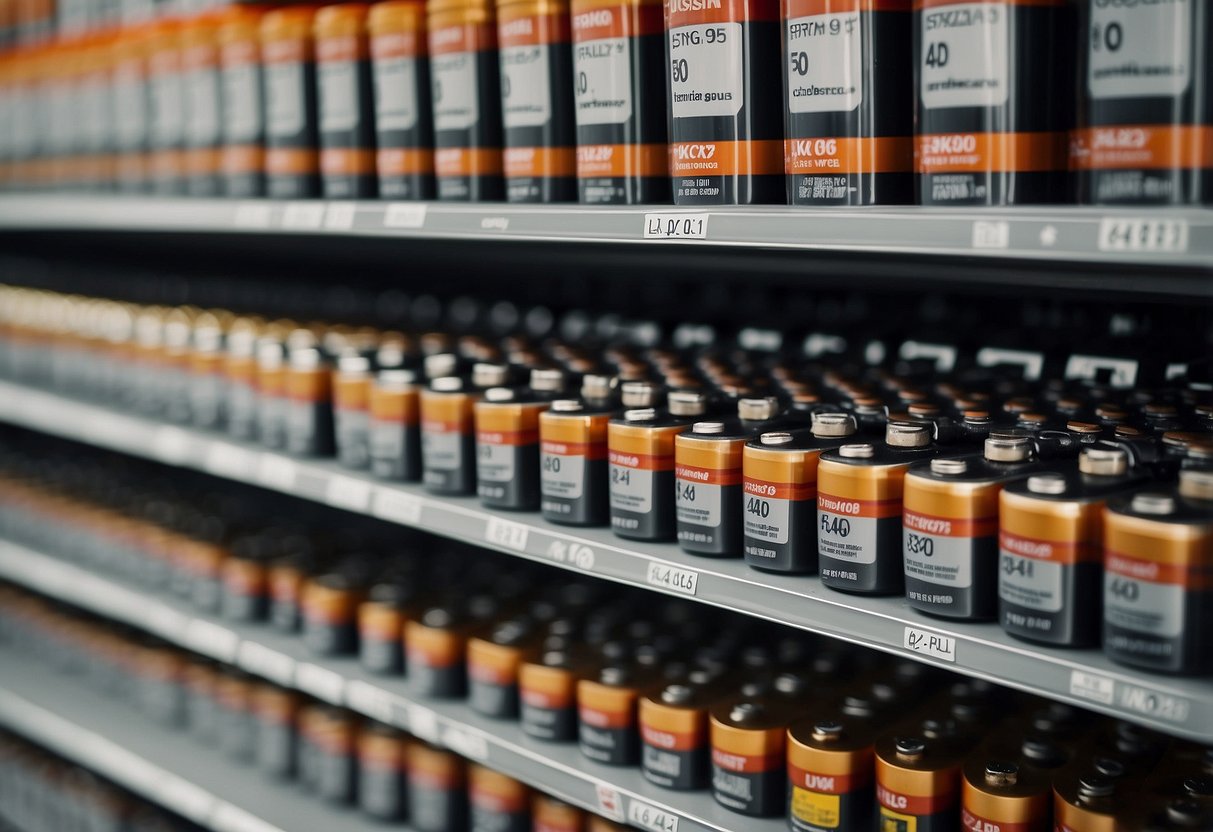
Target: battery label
pixel 241 99
pixel 848 529
pixel 395 90
pixel 824 54
pixel 525 83
pixel 338 82
pixel 284 98
pixel 632 481
pixel 964 55
pixel 441 447
pixel 497 452
pixel 1144 596
pixel 603 89
pixel 939 550
pixel 768 508
pixel 202 106
pixel 130 111
pixel 903 810
pixel 823 811
pixel 1031 571
pixel 1139 50
pixel 167 111
pixel 455 90
pixel 562 470
pixel 698 494
pixel 707 70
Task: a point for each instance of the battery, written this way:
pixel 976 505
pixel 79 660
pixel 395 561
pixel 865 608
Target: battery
pixel 394 435
pixel 201 680
pixel 236 723
pixel 345 102
pixel 435 652
pixel 381 623
pixel 573 472
pixel 291 132
pixel 848 118
pixel 1087 802
pixel 726 124
pixel 309 408
pixel 200 84
pixel 994 101
pixel 749 741
pixel 1002 794
pixel 330 734
pixel 166 122
pixel 674 732
pixel 242 102
pixel 618 46
pixel 352 383
pixel 608 727
pixel 859 506
pixel 497 803
pixel 1158 577
pixel 780 493
pixel 917 784
pixel 507 447
pixel 831 764
pixel 206 385
pixel 383 772
pixel 1145 111
pixel 329 608
pixel 437 798
pixel 131 99
pixel 464 77
pixel 1050 533
pixel 277 739
pixel 547 688
pixel 448 440
pixel 404 116
pixel 539 157
pixel 493 663
pixel 244 579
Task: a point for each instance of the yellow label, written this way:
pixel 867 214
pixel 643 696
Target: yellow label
pixel 817 809
pixel 891 821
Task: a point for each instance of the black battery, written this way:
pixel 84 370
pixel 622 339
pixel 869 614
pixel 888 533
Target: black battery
pixel 292 166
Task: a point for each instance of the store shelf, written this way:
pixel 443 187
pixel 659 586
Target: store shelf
pixel 163 766
pixel 1158 237
pixel 1083 677
pixel 557 769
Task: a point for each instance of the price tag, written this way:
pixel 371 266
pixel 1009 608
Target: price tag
pixel 930 644
pixel 226 460
pixel 252 215
pixel 186 799
pixel 1140 234
pixel 610 802
pixel 1092 686
pixel 171 445
pixel 466 743
pixel 664 576
pixel 370 700
pixel 339 216
pixel 495 223
pixel 676 226
pixel 571 554
pixel 348 493
pixel 211 640
pixel 1154 703
pixel 276 472
pixel 229 818
pixel 320 682
pixel 423 724
pixel 650 817
pixel 303 216
pixel 404 215
pixel 266 663
pixel 396 506
pixel 988 234
pixel 506 533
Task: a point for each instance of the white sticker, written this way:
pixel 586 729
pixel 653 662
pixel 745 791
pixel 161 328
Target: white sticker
pixel 931 644
pixel 202 106
pixel 1132 601
pixel 610 802
pixel 456 93
pixel 526 88
pixel 367 699
pixel 1032 362
pixel 561 475
pixel 242 105
pixel 646 816
pixel 348 493
pixel 940 559
pixel 266 663
pixel 604 77
pixel 395 93
pixel 964 55
pixel 396 507
pixel 404 215
pixel 1139 49
pixel 339 216
pixel 675 226
pixel 284 98
pixel 326 685
pixel 1029 582
pixel 707 70
pixel 987 234
pixel 506 533
pixel 1091 686
pixel 766 518
pixel 211 640
pixel 1129 234
pixel 631 488
pixel 571 554
pixel 337 82
pixel 301 216
pixel 494 462
pixel 423 724
pixel 466 743
pixel 277 472
pixel 824 69
pixel 442 450
pixel 842 534
pixel 665 576
pixel 695 502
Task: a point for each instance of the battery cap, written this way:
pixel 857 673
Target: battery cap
pixel 1153 503
pixel 907 435
pixel 546 379
pixel 396 378
pixel 754 410
pixel 489 375
pixel 1047 484
pixel 949 467
pixel 567 406
pixel 1092 786
pixel 614 675
pixel 1109 767
pixel 1103 462
pixel 686 403
pixel 306 359
pixel 639 394
pixel 1188 814
pixel 596 386
pixel 1196 485
pixel 1008 446
pixel 1001 773
pixel 745 711
pixel 353 364
pixel 833 424
pixel 778 438
pixel 708 427
pixel 677 694
pixel 441 364
pixel 857 706
pixel 643 414
pixel 860 451
pixel 447 384
pixel 910 749
pixel 827 730
pixel 499 394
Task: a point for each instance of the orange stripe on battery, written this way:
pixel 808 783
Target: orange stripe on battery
pixel 467 161
pixel 598 718
pixel 403 161
pixel 291 161
pixel 643 462
pixel 623 21
pixel 973 823
pixel 1055 551
pixel 709 476
pixel 201 161
pixel 591 450
pixel 780 490
pixel 858 508
pixel 539 161
pixel 981 152
pixel 347 161
pixel 438 426
pixel 429 647
pixel 742 158
pixel 239 53
pixel 694 12
pixel 871 154
pixel 242 158
pixel 672 741
pixel 531 29
pixel 517 438
pixel 950 526
pixel 747 763
pixel 596 161
pixel 1142 146
pixel 285 51
pixel 398 45
pixel 351 393
pixel 465 38
pixel 344 48
pixel 808 8
pixel 828 783
pixel 1189 576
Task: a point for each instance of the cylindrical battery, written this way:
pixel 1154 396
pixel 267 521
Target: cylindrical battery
pixel 1145 109
pixel 573 476
pixel 291 132
pixel 608 727
pixel 167 109
pixel 395 428
pixel 206 385
pixel 1158 577
pixel 1087 802
pixel 244 579
pixel 1003 794
pixel 848 102
pixel 381 623
pixel 277 740
pixel 435 652
pixel 780 493
pixel 345 102
pixel 437 798
pixel 547 688
pixel 286 584
pixel 749 741
pixel 1050 534
pixel 994 100
pixel 448 437
pixel 329 607
pixel 917 784
pixel 464 77
pixel 726 128
pixel 132 117
pixel 240 378
pixel 352 383
pixel 493 662
pixel 674 733
pixel 618 48
pixel 200 85
pixel 201 681
pixel 237 721
pixel 403 111
pixel 383 772
pixel 309 409
pixel 831 765
pixel 539 154
pixel 242 102
pixel 331 734
pixel 497 803
pixel 859 505
pixel 507 449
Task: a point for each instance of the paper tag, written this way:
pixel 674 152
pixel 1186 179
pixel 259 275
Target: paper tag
pixel 676 226
pixel 171 445
pixel 423 724
pixel 1117 234
pixel 225 460
pixel 930 644
pixel 186 799
pixel 1153 703
pixel 303 215
pixel 320 682
pixel 643 815
pixel 396 507
pixel 466 743
pixel 404 215
pixel 506 533
pixel 348 493
pixel 211 640
pixel 266 663
pixel 664 576
pixel 276 472
pixel 1092 686
pixel 610 802
pixel 571 554
pixel 370 700
pixel 988 234
pixel 339 216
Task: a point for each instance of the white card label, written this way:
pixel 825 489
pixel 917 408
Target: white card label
pixel 964 55
pixel 707 70
pixel 931 644
pixel 665 576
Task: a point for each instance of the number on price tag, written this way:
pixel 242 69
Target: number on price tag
pixel 348 493
pixel 1160 235
pixel 506 533
pixel 396 506
pixel 675 226
pixel 1154 703
pixel 404 215
pixel 930 644
pixel 650 817
pixel 664 576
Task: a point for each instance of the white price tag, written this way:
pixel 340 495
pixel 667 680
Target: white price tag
pixel 610 801
pixel 339 216
pixel 676 226
pixel 252 215
pixel 228 818
pixel 466 743
pixel 186 799
pixel 370 700
pixel 225 460
pixel 211 640
pixel 988 234
pixel 348 493
pixel 171 445
pixel 930 644
pixel 506 533
pixel 1091 686
pixel 303 216
pixel 664 576
pixel 404 215
pixel 396 507
pixel 266 663
pixel 571 554
pixel 276 472
pixel 1129 234
pixel 1154 703
pixel 423 724
pixel 650 817
pixel 324 684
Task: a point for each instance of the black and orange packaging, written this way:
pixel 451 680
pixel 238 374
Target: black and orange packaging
pixel 200 85
pixel 749 750
pixel 607 704
pixel 507 448
pixel 291 129
pixel 383 772
pixel 309 410
pixel 547 687
pixel 395 425
pixel 437 796
pixel 493 662
pixel 277 736
pixel 497 802
pixel 404 134
pixel 448 432
pixel 551 815
pixel 381 622
pixel 132 116
pixel 831 765
pixel 674 732
pixel 345 102
pixel 1004 794
pixel 573 456
pixel 166 126
pixel 329 608
pixel 330 735
pixel 917 784
pixel 242 102
pixel 352 382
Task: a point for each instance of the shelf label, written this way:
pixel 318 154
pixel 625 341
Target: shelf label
pixel 927 643
pixel 252 215
pixel 1092 686
pixel 171 445
pixel 339 216
pixel 396 506
pixel 1140 234
pixel 423 724
pixel 226 460
pixel 348 493
pixel 676 226
pixel 987 234
pixel 320 682
pixel 1154 704
pixel 610 802
pixel 404 215
pixel 266 663
pixel 186 799
pixel 370 700
pixel 466 743
pixel 650 817
pixel 495 224
pixel 209 639
pixel 276 472
pixel 664 576
pixel 506 533
pixel 303 216
pixel 570 553
pixel 229 818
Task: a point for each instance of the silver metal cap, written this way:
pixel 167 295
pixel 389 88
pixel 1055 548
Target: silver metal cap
pixel 642 414
pixel 397 378
pixel 1151 502
pixel 1008 446
pixel 596 386
pixel 499 394
pixel 1196 484
pixel 1103 462
pixel 708 427
pixel 638 394
pixel 440 365
pixel 862 450
pixel 567 406
pixel 1047 484
pixel 827 425
pixel 685 403
pixel 753 410
pixel 447 384
pixel 547 380
pixel 777 438
pixel 907 435
pixel 353 365
pixel 489 375
pixel 306 359
pixel 949 467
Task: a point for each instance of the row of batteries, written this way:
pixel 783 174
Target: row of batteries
pixel 1057 508
pixel 936 102
pixel 826 734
